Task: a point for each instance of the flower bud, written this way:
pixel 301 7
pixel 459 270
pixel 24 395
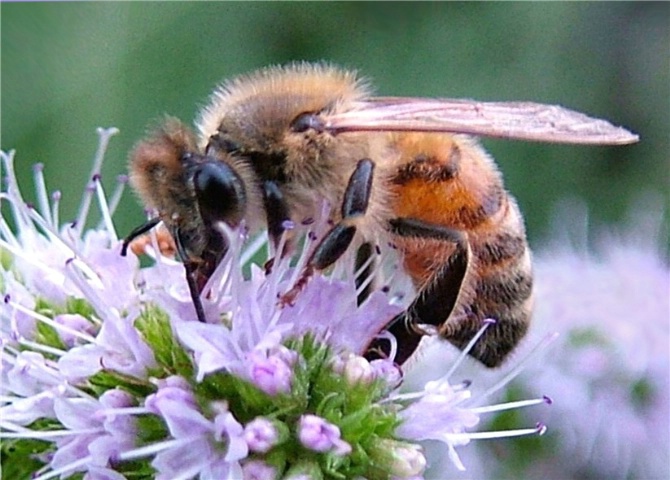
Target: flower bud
pixel 272 374
pixel 358 370
pixel 317 434
pixel 404 459
pixel 262 434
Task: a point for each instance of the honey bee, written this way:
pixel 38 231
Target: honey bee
pixel 273 144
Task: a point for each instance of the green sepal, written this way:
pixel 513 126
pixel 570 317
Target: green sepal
pixel 155 327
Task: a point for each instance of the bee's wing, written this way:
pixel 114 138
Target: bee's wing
pixel 513 120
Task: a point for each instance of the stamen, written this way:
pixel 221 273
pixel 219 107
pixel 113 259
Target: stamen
pixel 279 266
pixel 64 469
pixel 9 399
pixel 485 324
pixel 51 232
pixel 17 204
pixel 105 135
pixel 370 277
pixel 152 449
pixel 453 456
pixel 40 347
pixel 46 320
pixel 302 260
pixel 41 191
pixel 393 348
pixel 86 286
pixel 546 341
pixel 46 434
pixel 511 405
pixel 84 207
pixel 9 426
pixel 540 429
pixel 224 273
pixel 104 210
pixel 55 208
pixel 6 232
pixel 125 411
pixel 254 247
pixel 121 182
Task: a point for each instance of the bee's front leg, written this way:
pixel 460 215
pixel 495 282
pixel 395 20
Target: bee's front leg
pixel 335 243
pixel 138 232
pixel 191 272
pixel 276 211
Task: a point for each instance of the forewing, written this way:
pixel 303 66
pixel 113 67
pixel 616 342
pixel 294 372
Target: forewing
pixel 512 120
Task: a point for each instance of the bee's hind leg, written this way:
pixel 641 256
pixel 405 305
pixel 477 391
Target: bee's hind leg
pixel 436 301
pixel 335 243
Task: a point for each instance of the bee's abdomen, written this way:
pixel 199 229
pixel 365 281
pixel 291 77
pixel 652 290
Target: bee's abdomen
pixel 449 181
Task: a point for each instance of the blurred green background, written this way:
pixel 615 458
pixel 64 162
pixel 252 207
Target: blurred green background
pixel 70 67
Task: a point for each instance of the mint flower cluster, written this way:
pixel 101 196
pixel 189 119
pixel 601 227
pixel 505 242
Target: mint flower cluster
pixel 107 374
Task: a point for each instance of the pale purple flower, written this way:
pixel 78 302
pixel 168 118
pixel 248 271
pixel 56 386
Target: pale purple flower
pixel 447 412
pixel 258 470
pixel 315 433
pixel 260 326
pixel 446 417
pixel 261 435
pixel 97 436
pixel 118 346
pixel 32 384
pixel 202 447
pixel 271 373
pixel 74 322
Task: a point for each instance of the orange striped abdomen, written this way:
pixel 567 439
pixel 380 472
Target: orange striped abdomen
pixel 451 182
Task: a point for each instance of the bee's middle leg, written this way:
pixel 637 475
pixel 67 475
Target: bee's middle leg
pixel 338 239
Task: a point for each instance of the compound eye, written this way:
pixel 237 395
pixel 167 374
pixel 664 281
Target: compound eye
pixel 220 192
pixel 307 121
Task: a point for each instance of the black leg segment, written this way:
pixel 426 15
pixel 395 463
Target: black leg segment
pixel 333 245
pixel 411 227
pixel 191 271
pixel 435 303
pixel 359 187
pixel 276 211
pixel 141 230
pixel 354 204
